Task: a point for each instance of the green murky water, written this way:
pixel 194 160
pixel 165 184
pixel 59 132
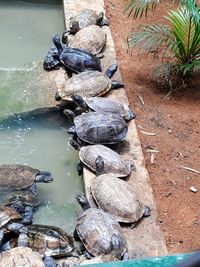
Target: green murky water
pixel 41 141
pixel 26 29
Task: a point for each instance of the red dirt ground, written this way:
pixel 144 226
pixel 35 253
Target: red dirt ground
pixel 176 122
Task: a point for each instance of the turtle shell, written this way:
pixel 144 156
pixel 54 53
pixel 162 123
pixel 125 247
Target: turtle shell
pixel 91 39
pixel 102 104
pixel 51 60
pixel 21 256
pixel 113 163
pixel 116 197
pixel 17 176
pixel 79 60
pixel 95 228
pixel 50 241
pixel 8 215
pixel 85 18
pixel 86 84
pixel 100 128
pixel 24 196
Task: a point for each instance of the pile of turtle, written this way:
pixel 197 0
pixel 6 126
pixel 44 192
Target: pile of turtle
pixel 100 125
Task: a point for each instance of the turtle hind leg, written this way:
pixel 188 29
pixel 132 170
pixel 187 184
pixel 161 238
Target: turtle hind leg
pixel 117 84
pixel 80 167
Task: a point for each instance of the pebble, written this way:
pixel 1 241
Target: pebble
pixel 193 189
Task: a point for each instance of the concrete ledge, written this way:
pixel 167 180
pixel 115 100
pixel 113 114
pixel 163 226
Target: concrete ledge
pixel 146 239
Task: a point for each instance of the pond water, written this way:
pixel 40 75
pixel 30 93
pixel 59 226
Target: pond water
pixel 26 29
pixel 39 141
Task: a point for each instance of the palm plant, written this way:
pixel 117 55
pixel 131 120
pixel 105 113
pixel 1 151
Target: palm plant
pixel 141 7
pixel 181 38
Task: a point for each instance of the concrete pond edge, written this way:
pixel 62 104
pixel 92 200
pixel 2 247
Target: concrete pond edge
pixel 145 240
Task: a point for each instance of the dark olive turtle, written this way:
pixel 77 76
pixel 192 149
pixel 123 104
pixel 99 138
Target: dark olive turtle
pixel 100 233
pixel 116 197
pixel 85 18
pixel 51 60
pixel 17 177
pixel 23 201
pixel 89 83
pixel 26 197
pixel 102 104
pixel 76 59
pixel 98 128
pixel 50 241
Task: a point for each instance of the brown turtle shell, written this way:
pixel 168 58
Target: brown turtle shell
pixel 100 128
pixel 113 163
pixel 85 18
pixel 92 39
pixel 17 176
pixel 50 241
pixel 116 197
pixel 86 84
pixel 102 104
pixel 95 228
pixel 21 256
pixel 24 196
pixel 8 215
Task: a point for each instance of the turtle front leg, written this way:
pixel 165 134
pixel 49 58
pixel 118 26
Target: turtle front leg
pixel 117 85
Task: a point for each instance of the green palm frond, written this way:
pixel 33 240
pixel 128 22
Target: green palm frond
pixel 151 37
pixel 139 7
pixel 185 28
pixel 181 37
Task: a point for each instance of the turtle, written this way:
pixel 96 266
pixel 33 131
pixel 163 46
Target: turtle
pixel 102 104
pixel 51 60
pixel 100 233
pixel 10 221
pixel 21 256
pixel 23 201
pixel 19 177
pixel 91 38
pixel 85 18
pixel 50 241
pixel 113 163
pixel 25 256
pixel 88 84
pixel 98 128
pixel 76 59
pixel 116 197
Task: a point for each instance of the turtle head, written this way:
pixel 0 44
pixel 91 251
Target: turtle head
pixel 44 177
pixel 99 162
pixel 79 101
pixel 57 43
pixel 65 37
pixel 69 114
pixel 75 27
pixel 82 200
pixel 57 96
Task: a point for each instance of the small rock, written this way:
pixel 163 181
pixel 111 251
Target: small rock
pixel 169 131
pixel 193 189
